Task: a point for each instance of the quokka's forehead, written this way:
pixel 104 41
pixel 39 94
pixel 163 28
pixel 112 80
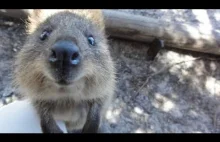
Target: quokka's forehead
pixel 63 19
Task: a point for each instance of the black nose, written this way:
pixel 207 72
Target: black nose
pixel 65 52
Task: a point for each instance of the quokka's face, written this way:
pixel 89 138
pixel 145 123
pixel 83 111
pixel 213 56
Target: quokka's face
pixel 66 47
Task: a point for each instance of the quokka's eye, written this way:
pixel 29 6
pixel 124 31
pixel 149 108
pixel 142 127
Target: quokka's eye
pixel 91 40
pixel 45 34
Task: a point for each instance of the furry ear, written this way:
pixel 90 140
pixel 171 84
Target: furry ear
pixel 93 15
pixel 33 20
pixel 37 16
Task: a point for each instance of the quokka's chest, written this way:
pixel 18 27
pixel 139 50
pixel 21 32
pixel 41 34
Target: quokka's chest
pixel 70 112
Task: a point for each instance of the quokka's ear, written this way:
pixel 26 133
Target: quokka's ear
pixel 38 16
pixel 93 15
pixel 33 20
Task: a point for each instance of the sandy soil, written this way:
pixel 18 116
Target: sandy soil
pixel 181 99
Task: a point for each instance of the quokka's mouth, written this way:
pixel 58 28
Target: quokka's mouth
pixel 64 82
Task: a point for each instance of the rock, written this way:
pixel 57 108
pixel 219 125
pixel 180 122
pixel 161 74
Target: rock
pixel 15 50
pixel 8 100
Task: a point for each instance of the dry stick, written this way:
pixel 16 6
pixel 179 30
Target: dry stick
pixel 167 68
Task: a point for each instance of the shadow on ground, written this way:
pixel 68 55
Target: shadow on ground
pixel 183 98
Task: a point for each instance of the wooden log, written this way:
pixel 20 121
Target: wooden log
pixel 20 14
pixel 144 29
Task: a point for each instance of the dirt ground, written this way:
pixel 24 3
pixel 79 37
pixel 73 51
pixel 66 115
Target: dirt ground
pixel 184 98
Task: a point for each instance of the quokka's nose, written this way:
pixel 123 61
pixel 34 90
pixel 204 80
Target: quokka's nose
pixel 65 52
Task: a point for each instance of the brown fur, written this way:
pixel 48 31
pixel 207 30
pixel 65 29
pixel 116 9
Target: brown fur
pixel 94 83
